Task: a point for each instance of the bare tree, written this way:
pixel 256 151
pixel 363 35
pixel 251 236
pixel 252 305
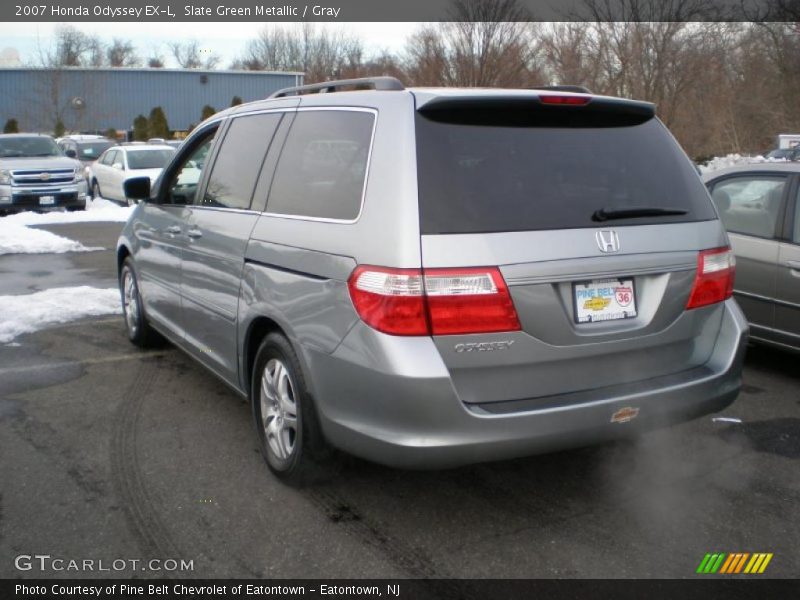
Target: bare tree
pixel 122 53
pixel 72 48
pixel 155 61
pixel 319 53
pixel 644 11
pixel 488 44
pixel 189 55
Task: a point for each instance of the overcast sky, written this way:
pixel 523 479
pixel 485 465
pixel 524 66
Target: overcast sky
pixel 224 39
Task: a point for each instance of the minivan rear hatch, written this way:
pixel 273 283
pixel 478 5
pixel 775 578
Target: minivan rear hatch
pixel 594 217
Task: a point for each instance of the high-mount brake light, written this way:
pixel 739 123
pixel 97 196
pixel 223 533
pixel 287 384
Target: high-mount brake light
pixel 716 270
pixel 565 100
pixel 433 301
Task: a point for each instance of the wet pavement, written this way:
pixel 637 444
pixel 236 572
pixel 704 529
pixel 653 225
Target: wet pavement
pixel 28 273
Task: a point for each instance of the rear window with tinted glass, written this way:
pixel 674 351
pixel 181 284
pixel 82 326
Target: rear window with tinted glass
pixel 149 159
pixel 484 178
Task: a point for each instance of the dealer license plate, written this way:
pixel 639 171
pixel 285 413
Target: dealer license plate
pixel 604 300
pixel 45 200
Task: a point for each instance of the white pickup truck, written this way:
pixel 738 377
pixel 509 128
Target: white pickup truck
pixel 36 175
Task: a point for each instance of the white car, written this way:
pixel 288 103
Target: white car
pixel 119 163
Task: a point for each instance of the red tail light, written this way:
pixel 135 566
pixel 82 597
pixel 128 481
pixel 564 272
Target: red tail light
pixel 714 280
pixel 569 100
pixel 433 301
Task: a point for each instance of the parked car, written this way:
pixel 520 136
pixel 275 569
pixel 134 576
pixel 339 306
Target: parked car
pixel 85 148
pixel 758 204
pixel 35 175
pixel 119 163
pixel 784 153
pixel 434 277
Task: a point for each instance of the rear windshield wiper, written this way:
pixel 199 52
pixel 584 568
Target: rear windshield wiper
pixel 632 212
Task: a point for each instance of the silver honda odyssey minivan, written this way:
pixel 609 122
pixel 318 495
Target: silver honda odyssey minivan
pixel 434 277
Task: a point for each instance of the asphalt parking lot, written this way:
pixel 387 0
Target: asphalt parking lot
pixel 109 452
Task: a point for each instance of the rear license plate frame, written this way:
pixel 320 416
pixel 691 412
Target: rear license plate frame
pixel 619 311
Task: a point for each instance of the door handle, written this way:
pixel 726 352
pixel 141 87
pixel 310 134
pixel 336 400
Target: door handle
pixel 173 229
pixel 194 233
pixel 793 264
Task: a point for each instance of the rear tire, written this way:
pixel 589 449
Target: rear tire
pixel 288 431
pixel 140 333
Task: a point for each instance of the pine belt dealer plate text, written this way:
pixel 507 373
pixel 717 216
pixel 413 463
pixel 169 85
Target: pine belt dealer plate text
pixel 604 300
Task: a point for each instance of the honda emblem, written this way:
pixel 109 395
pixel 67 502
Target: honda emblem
pixel 607 240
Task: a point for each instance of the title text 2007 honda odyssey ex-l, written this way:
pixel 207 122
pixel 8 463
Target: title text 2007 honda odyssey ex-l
pixel 433 277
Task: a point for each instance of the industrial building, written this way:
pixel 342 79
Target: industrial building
pixel 93 100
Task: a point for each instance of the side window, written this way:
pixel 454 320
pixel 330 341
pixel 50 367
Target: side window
pixel 796 234
pixel 108 158
pixel 323 165
pixel 186 178
pixel 238 163
pixel 751 204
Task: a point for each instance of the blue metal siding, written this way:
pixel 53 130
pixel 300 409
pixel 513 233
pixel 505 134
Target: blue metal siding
pixel 114 97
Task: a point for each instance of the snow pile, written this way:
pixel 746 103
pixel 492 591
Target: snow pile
pixel 31 312
pixel 96 210
pixel 722 162
pixel 18 239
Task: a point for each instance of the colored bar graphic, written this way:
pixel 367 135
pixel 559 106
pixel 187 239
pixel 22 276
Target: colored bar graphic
pixel 740 564
pixel 755 561
pixel 727 564
pixel 765 563
pixel 734 563
pixel 718 563
pixel 703 563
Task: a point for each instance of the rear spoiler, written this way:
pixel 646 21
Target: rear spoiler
pixel 591 108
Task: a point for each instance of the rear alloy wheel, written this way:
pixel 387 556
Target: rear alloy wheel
pixel 278 410
pixel 139 330
pixel 289 436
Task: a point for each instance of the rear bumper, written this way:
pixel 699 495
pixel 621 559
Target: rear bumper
pixel 390 400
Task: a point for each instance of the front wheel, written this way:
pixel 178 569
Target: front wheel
pixel 139 330
pixel 95 190
pixel 288 431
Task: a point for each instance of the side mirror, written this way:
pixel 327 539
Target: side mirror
pixel 137 188
pixel 70 153
pixel 117 166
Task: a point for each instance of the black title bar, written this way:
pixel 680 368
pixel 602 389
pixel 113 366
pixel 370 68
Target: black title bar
pixel 399 10
pixel 710 588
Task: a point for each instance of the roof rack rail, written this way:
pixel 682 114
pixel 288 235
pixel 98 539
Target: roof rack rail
pixel 372 83
pixel 563 88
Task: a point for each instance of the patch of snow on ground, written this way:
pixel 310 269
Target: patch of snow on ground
pixel 18 239
pixel 31 312
pixel 96 210
pixel 722 162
